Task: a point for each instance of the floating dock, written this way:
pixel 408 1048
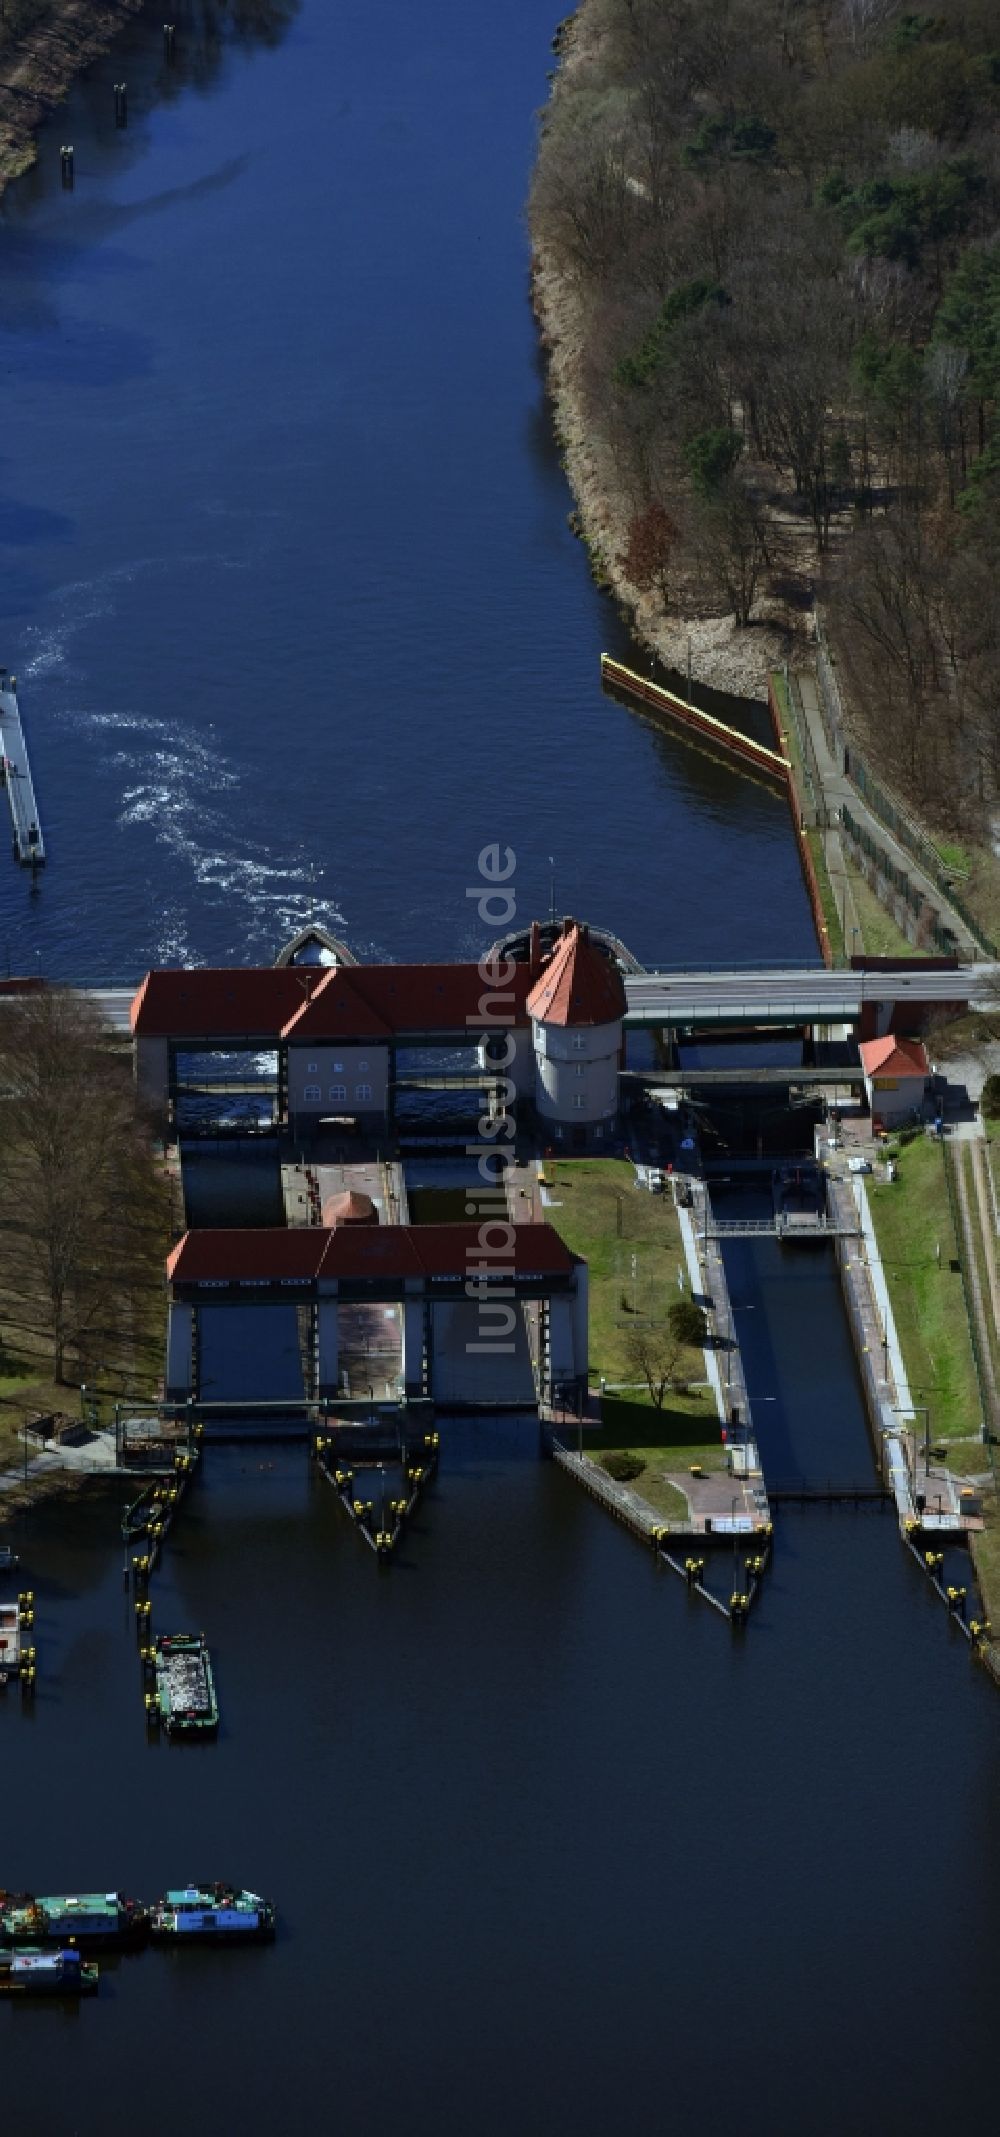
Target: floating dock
pixel 15 775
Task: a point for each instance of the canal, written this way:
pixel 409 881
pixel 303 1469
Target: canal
pixel 296 612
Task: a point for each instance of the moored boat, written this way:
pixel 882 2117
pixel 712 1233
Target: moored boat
pixel 185 1688
pixel 46 1973
pixel 92 1920
pixel 221 1914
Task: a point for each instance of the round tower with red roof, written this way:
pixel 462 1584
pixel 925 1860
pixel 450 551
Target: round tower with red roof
pixel 576 1008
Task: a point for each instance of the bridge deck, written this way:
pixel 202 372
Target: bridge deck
pixel 776 996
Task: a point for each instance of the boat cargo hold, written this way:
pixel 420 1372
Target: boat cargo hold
pixel 93 1920
pixel 212 1914
pixel 185 1699
pixel 47 1973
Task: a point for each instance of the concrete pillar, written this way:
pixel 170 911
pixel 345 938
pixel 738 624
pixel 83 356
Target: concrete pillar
pixel 152 1074
pixel 413 1346
pixel 561 1348
pixel 180 1349
pixel 581 1329
pixel 327 1346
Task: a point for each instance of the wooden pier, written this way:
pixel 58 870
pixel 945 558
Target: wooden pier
pixel 15 775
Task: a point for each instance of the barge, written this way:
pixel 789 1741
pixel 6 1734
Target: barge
pixel 92 1920
pixel 17 1658
pixel 47 1973
pixel 212 1914
pixel 185 1701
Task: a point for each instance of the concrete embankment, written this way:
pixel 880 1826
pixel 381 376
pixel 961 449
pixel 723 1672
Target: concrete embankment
pixel 38 65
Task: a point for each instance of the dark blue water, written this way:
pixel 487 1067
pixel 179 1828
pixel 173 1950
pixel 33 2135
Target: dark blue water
pixel 551 1849
pixel 288 584
pixel 286 572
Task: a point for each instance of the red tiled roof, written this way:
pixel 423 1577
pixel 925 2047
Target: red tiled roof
pixel 219 1003
pixel 321 1002
pixel 579 985
pixel 891 1056
pixel 357 1251
pixel 238 1256
pixel 377 1001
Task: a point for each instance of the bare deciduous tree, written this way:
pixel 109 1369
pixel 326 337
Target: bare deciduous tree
pixel 83 1213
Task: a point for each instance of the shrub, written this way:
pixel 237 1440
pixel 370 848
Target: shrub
pixel 623 1467
pixel 991 1098
pixel 687 1323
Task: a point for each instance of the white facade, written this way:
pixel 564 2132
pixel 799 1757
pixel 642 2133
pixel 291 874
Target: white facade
pixel 894 1099
pixel 576 1074
pixel 325 1079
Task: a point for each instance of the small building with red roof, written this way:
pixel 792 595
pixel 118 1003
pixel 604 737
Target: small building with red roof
pixel 896 1073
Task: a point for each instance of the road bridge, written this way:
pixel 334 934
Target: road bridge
pixel 775 995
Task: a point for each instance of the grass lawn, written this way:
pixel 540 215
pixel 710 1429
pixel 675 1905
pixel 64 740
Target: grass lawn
pixel 671 1439
pixel 614 1224
pixel 986 1559
pixel 831 910
pixel 881 936
pixel 911 1218
pixel 980 890
pixel 596 1197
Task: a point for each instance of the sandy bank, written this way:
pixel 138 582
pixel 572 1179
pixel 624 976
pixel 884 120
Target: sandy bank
pixel 721 655
pixel 37 68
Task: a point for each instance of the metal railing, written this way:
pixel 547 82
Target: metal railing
pixel 883 805
pixel 931 925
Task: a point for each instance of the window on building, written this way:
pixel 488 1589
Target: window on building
pixel 312 1068
pixel 338 1068
pixel 578 1102
pixel 580 1069
pixel 599 1132
pixel 338 1093
pixel 579 1042
pixel 311 1094
pixel 362 1091
pixel 362 1066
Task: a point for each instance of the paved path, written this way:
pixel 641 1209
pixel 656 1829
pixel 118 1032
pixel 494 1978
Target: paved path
pixel 911 1472
pixel 727 1499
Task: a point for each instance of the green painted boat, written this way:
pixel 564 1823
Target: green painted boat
pixel 214 1914
pixel 185 1688
pixel 91 1920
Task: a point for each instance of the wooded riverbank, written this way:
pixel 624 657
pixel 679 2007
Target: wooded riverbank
pixel 42 49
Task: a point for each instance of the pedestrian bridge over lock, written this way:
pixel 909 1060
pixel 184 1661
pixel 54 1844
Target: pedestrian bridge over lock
pixel 492 1312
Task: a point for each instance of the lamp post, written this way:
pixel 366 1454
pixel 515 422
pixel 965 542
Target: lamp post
pixel 911 1410
pixel 735 1503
